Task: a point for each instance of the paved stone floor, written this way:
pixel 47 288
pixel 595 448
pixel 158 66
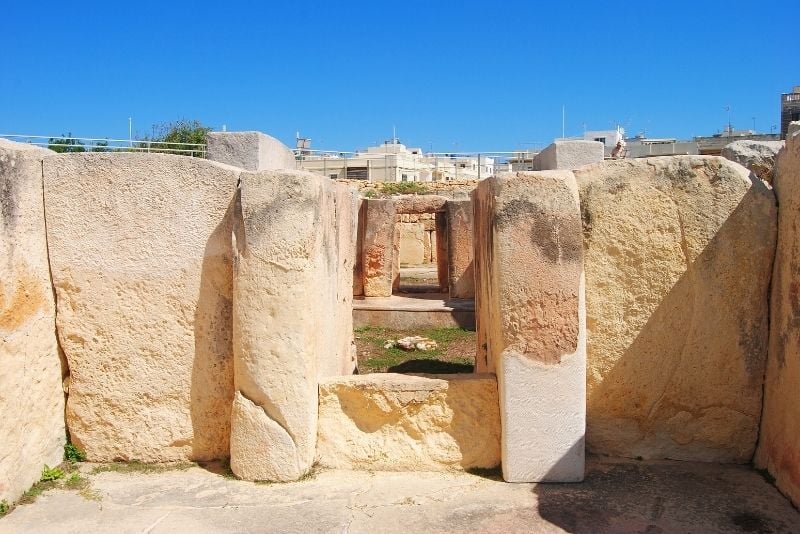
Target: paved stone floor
pixel 618 496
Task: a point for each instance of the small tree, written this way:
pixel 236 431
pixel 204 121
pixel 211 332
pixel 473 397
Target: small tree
pixel 66 143
pixel 181 131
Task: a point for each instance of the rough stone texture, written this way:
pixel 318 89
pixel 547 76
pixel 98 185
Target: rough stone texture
pixel 286 317
pixel 617 496
pixel 678 257
pixel 378 247
pixel 418 204
pixel 412 243
pixel 141 262
pixel 358 262
pixel 442 252
pixel 391 422
pixel 758 156
pixel 568 155
pixel 346 228
pixel 252 151
pixel 31 395
pixel 460 249
pixel 531 320
pixel 779 443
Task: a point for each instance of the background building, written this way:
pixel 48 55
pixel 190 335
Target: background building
pixel 790 109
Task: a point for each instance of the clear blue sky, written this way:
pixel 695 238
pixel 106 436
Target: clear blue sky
pixel 456 75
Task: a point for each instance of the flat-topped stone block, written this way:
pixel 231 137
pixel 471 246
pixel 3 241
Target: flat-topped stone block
pixel 530 315
pixel 252 151
pixel 378 247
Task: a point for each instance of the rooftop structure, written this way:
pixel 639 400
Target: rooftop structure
pixel 790 109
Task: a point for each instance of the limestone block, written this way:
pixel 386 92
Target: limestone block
pixel 412 244
pixel 286 317
pixel 396 259
pixel 346 229
pixel 392 422
pixel 758 156
pixel 31 395
pixel 568 155
pixel 779 442
pixel 433 243
pixel 252 151
pixel 459 242
pixel 678 258
pixel 531 320
pixel 358 263
pixel 442 261
pixel 426 245
pixel 417 204
pixel 141 262
pixel 378 247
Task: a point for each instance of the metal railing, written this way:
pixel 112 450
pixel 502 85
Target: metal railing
pixel 95 144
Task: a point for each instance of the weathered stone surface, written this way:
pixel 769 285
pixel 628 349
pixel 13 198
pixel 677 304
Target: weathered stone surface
pixel 758 156
pixel 459 226
pixel 779 442
pixel 31 394
pixel 678 257
pixel 531 320
pixel 358 265
pixel 286 317
pixel 346 229
pixel 442 256
pixel 378 247
pixel 140 255
pixel 391 422
pixel 568 155
pixel 252 151
pixel 412 243
pixel 418 204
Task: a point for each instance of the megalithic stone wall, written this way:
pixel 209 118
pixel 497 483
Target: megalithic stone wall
pixel 678 257
pixel 779 441
pixel 531 320
pixel 141 262
pixel 285 317
pixel 31 395
pixel 378 247
pixel 460 249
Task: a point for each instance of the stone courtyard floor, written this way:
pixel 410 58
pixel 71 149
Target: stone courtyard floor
pixel 617 496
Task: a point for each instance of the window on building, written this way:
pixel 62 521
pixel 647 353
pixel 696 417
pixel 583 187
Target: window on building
pixel 601 139
pixel 405 177
pixel 334 176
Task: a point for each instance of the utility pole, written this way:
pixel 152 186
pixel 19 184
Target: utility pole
pixel 130 131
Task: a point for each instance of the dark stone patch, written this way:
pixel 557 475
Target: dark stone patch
pixel 558 238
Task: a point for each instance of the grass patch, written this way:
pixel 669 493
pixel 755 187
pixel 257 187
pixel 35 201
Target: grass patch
pixel 141 467
pixel 387 189
pixel 4 507
pixel 73 454
pixel 455 352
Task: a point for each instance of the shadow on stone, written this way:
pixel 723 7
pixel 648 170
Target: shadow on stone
pixel 430 367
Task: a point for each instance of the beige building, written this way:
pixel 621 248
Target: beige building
pixel 394 162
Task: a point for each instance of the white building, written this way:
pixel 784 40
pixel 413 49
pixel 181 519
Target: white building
pixel 394 162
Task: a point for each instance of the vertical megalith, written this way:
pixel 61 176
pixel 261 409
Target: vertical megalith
pixel 531 320
pixel 286 315
pixel 459 244
pixel 31 394
pixel 378 247
pixel 442 259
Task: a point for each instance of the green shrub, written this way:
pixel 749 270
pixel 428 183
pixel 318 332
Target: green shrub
pixel 4 507
pixel 403 188
pixel 51 473
pixel 73 454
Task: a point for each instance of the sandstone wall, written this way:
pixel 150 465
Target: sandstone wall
pixel 393 422
pixel 287 316
pixel 531 320
pixel 758 156
pixel 31 396
pixel 141 263
pixel 678 258
pixel 779 443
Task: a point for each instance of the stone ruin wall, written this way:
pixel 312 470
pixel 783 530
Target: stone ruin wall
pixel 145 275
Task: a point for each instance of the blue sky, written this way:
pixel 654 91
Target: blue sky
pixel 455 76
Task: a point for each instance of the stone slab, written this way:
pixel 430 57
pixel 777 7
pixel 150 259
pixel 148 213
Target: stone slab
pixel 140 256
pixel 378 247
pixel 419 204
pixel 568 154
pixel 460 249
pixel 531 320
pixel 393 422
pixel 412 243
pixel 779 442
pixel 757 156
pixel 671 242
pixel 252 151
pixel 31 395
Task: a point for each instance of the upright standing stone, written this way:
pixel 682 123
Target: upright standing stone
pixel 346 228
pixel 358 265
pixel 779 440
pixel 141 261
pixel 442 260
pixel 670 242
pixel 285 319
pixel 459 241
pixel 31 394
pixel 252 151
pixel 530 305
pixel 378 247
